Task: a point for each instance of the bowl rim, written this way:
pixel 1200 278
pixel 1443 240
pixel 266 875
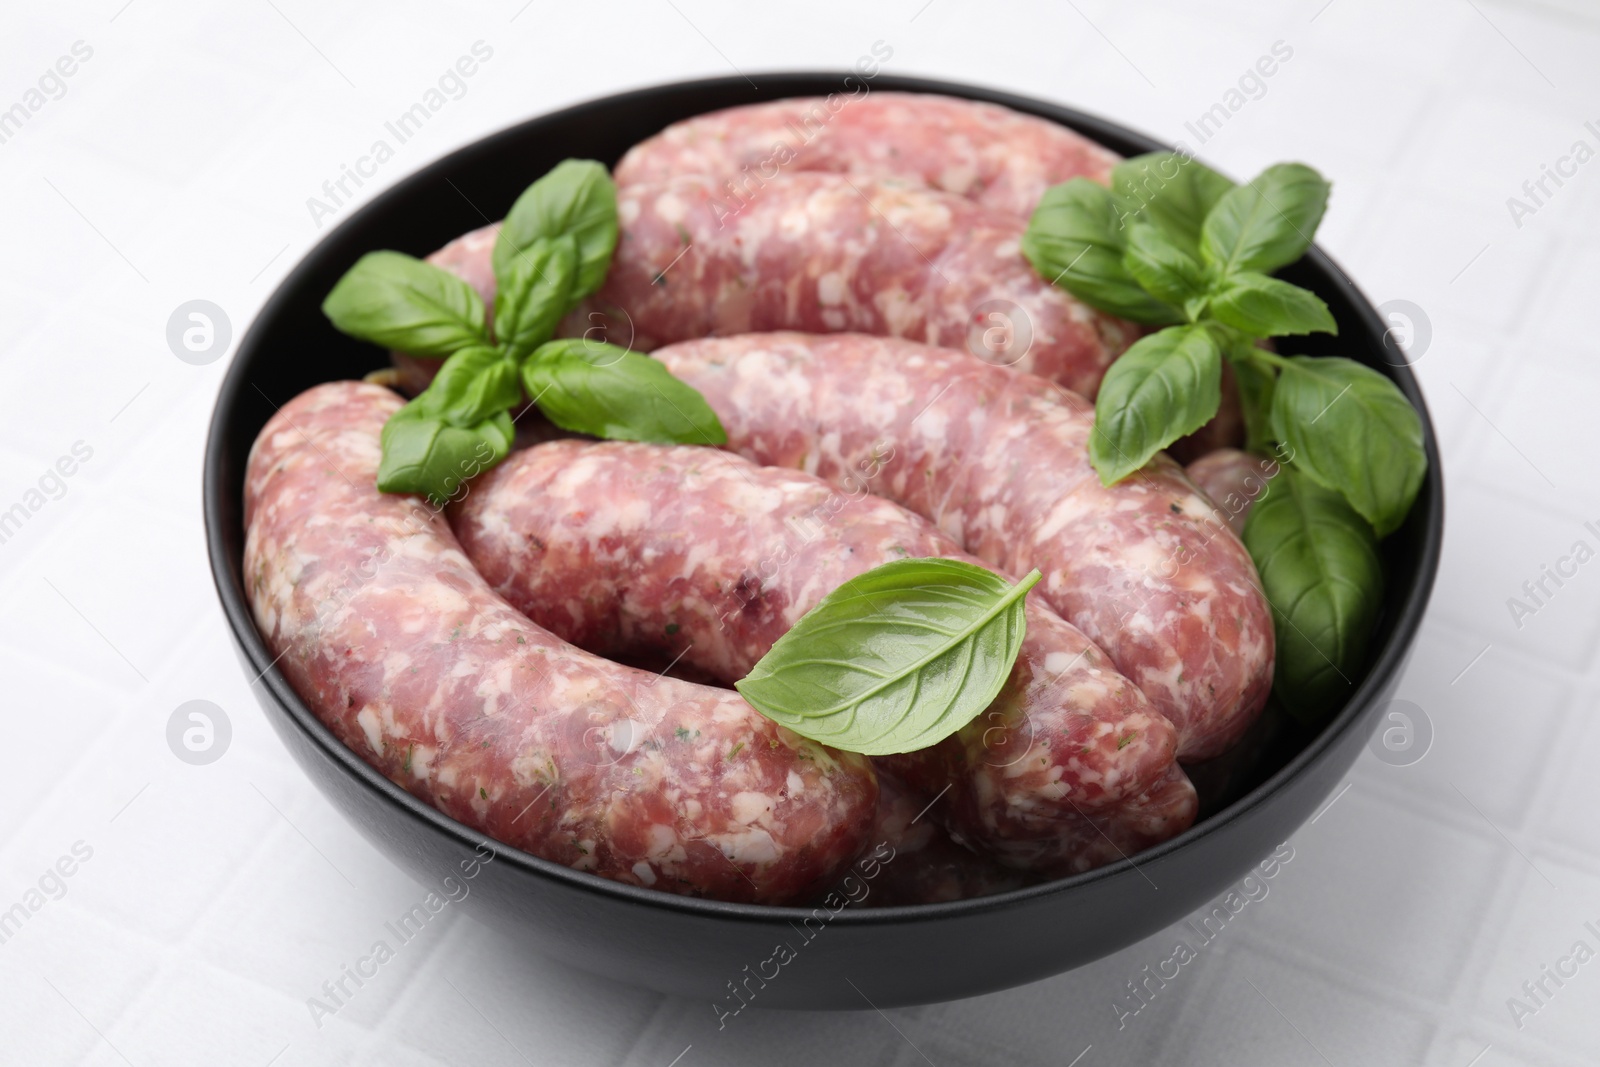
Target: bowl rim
pixel 1411 604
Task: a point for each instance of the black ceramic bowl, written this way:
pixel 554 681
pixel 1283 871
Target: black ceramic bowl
pixel 893 956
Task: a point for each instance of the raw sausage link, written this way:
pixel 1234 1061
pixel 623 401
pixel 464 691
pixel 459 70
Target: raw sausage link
pixel 676 551
pixel 928 866
pixel 1000 462
pixel 400 647
pixel 920 863
pixel 826 253
pixel 992 155
pixel 1233 481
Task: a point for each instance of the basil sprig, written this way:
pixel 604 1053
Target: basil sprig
pixel 553 249
pixel 1174 244
pixel 896 659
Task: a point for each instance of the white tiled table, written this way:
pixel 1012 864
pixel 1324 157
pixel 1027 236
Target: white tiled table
pixel 218 898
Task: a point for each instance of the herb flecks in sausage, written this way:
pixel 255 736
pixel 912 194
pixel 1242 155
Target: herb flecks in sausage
pixel 1162 594
pixel 1037 779
pixel 558 739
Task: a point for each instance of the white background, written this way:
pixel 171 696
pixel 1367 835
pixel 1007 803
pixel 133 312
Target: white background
pixel 218 898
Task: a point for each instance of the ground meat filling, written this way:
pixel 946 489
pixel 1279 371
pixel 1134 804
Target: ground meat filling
pixel 699 557
pixel 999 461
pixel 384 628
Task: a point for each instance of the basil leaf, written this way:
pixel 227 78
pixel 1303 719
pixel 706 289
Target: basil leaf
pixel 1353 431
pixel 1319 568
pixel 1263 306
pixel 1161 265
pixel 473 384
pixel 896 659
pixel 1075 240
pixel 400 302
pixel 1167 385
pixel 1170 190
pixel 576 198
pixel 600 389
pixel 424 454
pixel 1268 223
pixel 533 295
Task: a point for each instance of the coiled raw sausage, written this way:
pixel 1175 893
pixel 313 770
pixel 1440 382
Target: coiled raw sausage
pixel 992 155
pixel 824 253
pixel 999 461
pixel 397 644
pixel 701 556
